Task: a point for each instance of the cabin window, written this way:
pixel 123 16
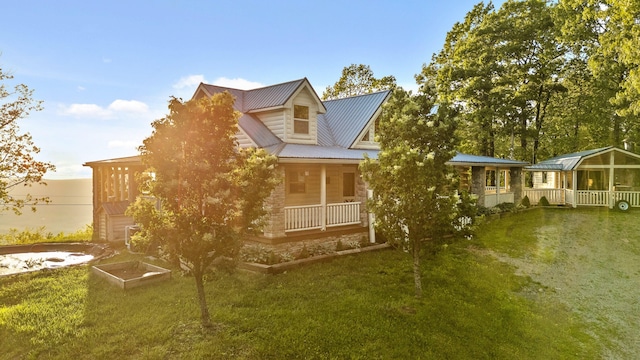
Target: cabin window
pixel 545 178
pixel 348 184
pixel 366 136
pixel 297 182
pixel 300 119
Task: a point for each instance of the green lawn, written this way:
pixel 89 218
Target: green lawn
pixel 357 307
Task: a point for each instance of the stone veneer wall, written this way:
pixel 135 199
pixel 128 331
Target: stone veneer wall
pixel 478 182
pixel 361 196
pixel 516 184
pixel 274 205
pixel 329 242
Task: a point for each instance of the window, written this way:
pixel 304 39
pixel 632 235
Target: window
pixel 545 178
pixel 300 119
pixel 348 184
pixel 297 184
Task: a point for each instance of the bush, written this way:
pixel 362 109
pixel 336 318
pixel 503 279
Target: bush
pixel 526 202
pixel 544 201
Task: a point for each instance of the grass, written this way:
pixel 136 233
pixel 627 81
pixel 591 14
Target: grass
pixel 358 307
pixel 40 234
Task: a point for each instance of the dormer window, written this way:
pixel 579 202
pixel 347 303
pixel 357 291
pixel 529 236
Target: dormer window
pixel 300 119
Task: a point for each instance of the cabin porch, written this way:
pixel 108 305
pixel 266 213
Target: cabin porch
pixel 316 197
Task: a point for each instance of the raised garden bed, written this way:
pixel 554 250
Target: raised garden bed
pixel 131 274
pixel 286 266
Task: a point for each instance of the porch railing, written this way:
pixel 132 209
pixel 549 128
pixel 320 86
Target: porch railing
pixel 632 197
pixel 592 198
pixel 309 217
pixel 554 196
pixel 492 189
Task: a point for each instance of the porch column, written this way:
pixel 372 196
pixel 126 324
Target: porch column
pixel 611 180
pixel 574 186
pixel 478 183
pixel 323 196
pixel 516 184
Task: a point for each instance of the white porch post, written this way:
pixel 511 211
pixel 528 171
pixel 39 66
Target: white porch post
pixel 323 196
pixel 574 186
pixel 564 186
pixel 611 179
pixel 498 176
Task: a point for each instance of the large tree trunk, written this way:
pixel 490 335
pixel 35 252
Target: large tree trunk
pixel 204 310
pixel 417 276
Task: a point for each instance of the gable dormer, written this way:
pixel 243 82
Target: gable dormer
pixel 301 116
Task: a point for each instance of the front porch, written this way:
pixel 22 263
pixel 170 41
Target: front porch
pixel 316 197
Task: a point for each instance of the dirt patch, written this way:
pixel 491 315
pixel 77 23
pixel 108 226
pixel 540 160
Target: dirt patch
pixel 590 261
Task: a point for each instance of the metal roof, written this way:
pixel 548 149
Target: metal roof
pixel 461 159
pixel 300 151
pixel 270 96
pixel 565 162
pixel 257 131
pixel 129 160
pixel 347 117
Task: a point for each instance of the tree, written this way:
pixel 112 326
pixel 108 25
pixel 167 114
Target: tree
pixel 607 33
pixel 17 163
pixel 358 80
pixel 501 69
pixel 211 192
pixel 414 199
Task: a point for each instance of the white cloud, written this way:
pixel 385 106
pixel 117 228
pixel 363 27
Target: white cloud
pixel 84 110
pixel 116 109
pixel 129 106
pixel 189 81
pixel 81 88
pixel 106 60
pixel 237 83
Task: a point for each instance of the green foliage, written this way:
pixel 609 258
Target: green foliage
pixel 413 198
pixel 357 80
pixel 211 193
pixel 18 167
pixel 526 202
pixel 40 234
pixel 543 201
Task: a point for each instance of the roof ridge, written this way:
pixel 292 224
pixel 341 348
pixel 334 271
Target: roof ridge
pixel 274 85
pixel 356 96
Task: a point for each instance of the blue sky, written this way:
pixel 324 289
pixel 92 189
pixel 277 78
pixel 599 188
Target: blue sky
pixel 106 69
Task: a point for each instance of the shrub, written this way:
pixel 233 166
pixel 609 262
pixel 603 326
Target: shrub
pixel 526 202
pixel 544 201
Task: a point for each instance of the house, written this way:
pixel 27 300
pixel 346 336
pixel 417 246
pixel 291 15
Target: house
pixel 606 176
pixel 319 145
pixel 114 188
pixel 492 180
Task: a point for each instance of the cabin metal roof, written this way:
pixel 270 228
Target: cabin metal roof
pixel 566 162
pixel 461 159
pixel 122 161
pixel 301 153
pixel 347 117
pixel 257 131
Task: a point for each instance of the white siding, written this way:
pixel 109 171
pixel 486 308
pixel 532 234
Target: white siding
pixel 553 180
pixel 275 121
pixel 243 140
pixel 304 97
